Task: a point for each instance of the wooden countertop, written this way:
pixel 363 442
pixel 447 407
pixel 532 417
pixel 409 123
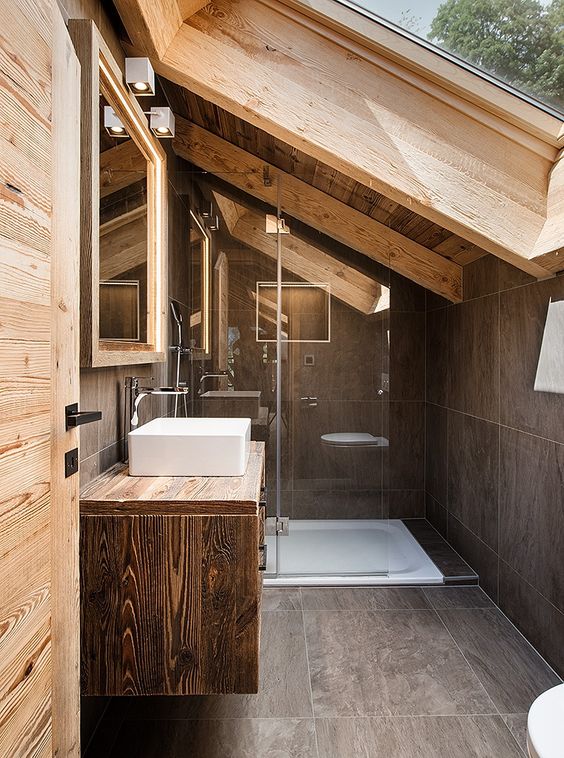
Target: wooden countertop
pixel 115 492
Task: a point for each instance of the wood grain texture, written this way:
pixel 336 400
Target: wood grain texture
pixel 25 381
pixel 220 318
pixel 450 169
pixel 65 273
pixel 308 262
pixel 170 604
pixel 120 166
pixel 100 72
pixel 319 210
pixel 116 492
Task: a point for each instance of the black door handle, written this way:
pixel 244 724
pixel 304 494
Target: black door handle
pixel 75 418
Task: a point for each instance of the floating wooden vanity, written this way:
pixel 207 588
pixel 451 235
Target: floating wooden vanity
pixel 170 582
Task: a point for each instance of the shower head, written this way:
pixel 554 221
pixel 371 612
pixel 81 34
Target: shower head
pixel 176 312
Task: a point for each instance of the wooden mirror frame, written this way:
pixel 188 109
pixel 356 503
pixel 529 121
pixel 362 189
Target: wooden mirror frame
pixel 100 73
pixel 204 350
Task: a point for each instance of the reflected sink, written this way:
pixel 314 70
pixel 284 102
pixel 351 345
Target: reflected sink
pixel 231 403
pixel 190 447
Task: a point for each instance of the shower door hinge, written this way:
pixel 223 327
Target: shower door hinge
pixel 283 525
pixel 275 225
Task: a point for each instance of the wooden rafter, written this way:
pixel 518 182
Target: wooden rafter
pixel 302 259
pixel 319 210
pixel 342 109
pixel 549 249
pixel 121 166
pixel 428 141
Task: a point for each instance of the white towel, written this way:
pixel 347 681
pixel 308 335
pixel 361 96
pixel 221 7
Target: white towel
pixel 550 369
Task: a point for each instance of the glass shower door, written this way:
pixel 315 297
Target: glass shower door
pixel 333 403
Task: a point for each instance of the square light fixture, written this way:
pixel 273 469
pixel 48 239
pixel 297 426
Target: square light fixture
pixel 161 121
pixel 113 124
pixel 140 76
pixel 207 210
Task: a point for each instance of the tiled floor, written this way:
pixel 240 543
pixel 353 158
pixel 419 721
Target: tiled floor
pixel 371 672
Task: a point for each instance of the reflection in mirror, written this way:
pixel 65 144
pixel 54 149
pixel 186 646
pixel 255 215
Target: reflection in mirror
pixel 306 312
pixel 123 236
pixel 200 295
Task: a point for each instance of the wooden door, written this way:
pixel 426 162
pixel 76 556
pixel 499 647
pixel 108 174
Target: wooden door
pixel 39 163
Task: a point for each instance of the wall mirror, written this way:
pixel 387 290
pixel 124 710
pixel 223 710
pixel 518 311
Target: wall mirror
pixel 200 286
pixel 123 209
pixel 306 312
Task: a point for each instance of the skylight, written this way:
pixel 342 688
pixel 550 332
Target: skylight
pixel 517 43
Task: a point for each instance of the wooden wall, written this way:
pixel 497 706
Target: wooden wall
pixel 39 602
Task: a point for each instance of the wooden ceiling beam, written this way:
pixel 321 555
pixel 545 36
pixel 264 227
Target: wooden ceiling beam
pixel 189 7
pixel 375 127
pixel 311 264
pixel 549 249
pixel 151 24
pixel 318 210
pixel 121 166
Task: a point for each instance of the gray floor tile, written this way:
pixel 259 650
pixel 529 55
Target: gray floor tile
pixel 517 724
pixel 284 690
pixel 372 663
pixel 363 598
pixel 416 737
pixel 231 738
pixel 281 599
pixel 458 597
pixel 509 668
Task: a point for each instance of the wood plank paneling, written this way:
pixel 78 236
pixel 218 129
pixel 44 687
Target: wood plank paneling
pixel 170 604
pixel 65 602
pixel 25 354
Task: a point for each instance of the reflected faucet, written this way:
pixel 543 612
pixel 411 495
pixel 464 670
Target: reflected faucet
pixel 137 393
pixel 218 375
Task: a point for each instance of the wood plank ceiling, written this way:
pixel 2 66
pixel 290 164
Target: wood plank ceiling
pixel 319 175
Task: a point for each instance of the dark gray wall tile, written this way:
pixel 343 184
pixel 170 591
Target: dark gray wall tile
pixel 436 452
pixel 481 277
pixel 437 356
pixel 482 558
pixel 532 510
pixel 473 456
pixel 407 446
pixel 473 377
pixel 404 504
pixel 509 276
pixel 405 295
pixel 522 319
pixel 536 617
pixel 407 356
pixel 436 514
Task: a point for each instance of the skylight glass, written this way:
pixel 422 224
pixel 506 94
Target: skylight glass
pixel 518 42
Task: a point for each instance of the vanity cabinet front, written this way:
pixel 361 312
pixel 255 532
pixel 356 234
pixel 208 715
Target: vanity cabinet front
pixel 171 583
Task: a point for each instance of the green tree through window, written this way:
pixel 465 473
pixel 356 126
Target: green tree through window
pixel 519 41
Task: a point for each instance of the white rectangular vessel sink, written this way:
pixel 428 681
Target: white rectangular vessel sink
pixel 190 447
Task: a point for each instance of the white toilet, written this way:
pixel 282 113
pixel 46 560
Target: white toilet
pixel 545 725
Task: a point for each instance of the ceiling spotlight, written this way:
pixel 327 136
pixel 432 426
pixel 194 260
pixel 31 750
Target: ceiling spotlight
pixel 207 211
pixel 113 124
pixel 161 121
pixel 140 76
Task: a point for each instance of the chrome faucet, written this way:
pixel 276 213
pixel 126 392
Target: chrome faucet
pixel 137 393
pixel 219 375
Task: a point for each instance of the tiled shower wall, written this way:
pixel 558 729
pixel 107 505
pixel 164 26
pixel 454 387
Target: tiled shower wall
pixel 495 447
